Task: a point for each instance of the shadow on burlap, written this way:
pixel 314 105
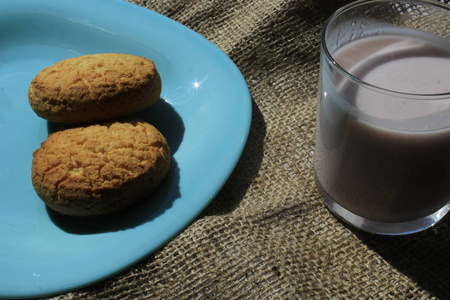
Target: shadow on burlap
pixel 267 235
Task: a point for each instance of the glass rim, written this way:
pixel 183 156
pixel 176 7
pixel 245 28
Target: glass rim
pixel 359 80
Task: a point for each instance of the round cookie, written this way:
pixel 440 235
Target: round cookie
pixel 100 169
pixel 94 87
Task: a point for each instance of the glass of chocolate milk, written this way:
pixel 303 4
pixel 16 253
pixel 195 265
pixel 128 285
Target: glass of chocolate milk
pixel 383 118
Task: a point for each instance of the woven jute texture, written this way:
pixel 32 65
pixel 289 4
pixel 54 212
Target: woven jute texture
pixel 267 234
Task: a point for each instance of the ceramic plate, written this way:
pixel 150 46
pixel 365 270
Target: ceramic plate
pixel 204 112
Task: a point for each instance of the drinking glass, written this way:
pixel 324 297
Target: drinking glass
pixel 383 116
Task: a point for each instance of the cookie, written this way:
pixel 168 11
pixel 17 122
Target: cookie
pixel 93 88
pixel 100 169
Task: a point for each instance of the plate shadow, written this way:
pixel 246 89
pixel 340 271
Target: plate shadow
pixel 246 169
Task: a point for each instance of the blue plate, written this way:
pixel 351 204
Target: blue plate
pixel 205 114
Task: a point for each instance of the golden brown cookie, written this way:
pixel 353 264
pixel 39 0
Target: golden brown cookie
pixel 94 88
pixel 100 169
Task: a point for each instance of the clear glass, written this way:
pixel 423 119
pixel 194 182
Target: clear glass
pixel 383 147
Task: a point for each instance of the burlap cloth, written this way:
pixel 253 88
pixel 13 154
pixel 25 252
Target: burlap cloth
pixel 267 235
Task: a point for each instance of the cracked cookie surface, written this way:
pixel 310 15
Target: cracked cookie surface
pixel 94 87
pixel 100 169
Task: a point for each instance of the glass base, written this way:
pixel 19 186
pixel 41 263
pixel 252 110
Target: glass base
pixel 384 228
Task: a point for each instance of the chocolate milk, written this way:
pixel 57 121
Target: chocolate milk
pixel 385 156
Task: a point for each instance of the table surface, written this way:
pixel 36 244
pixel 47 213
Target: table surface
pixel 267 234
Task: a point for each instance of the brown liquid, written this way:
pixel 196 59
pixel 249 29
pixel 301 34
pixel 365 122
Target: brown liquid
pixel 375 162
